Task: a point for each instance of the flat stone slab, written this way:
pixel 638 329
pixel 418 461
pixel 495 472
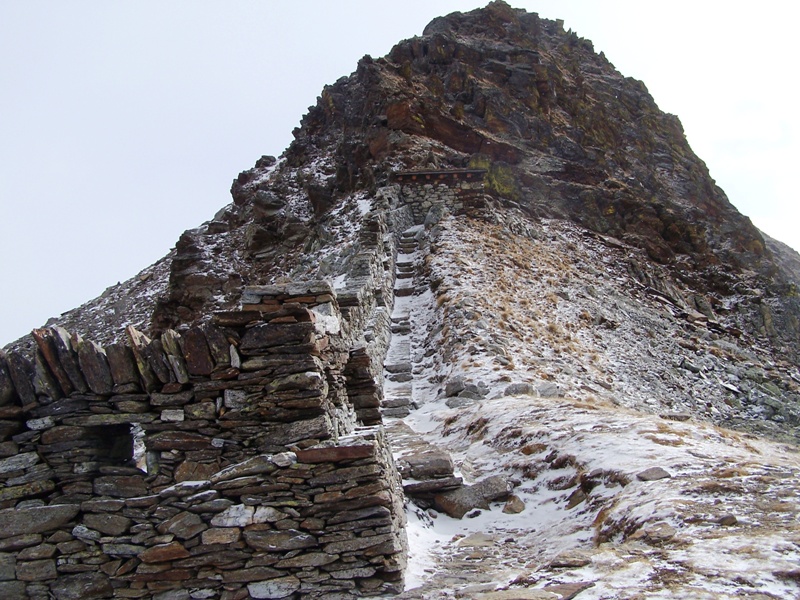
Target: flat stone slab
pixel 37 519
pixel 432 486
pixel 398 367
pixel 404 291
pixel 397 412
pixel 335 454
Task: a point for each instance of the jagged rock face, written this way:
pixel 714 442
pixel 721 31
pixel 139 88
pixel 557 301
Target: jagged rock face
pixel 563 133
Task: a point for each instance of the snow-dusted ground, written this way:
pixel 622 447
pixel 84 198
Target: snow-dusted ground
pixel 559 314
pixel 575 465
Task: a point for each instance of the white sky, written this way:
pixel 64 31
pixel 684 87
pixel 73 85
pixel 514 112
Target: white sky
pixel 123 123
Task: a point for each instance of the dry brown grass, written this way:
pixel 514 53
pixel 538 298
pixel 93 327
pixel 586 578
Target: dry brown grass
pixel 773 505
pixel 728 472
pixel 664 441
pixel 723 488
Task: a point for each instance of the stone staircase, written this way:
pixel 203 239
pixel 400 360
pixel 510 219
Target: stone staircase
pixel 399 390
pixel 426 470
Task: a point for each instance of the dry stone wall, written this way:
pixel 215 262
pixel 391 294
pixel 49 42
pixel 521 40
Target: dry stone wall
pixel 222 462
pixel 243 458
pixel 426 192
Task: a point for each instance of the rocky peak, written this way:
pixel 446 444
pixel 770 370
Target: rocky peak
pixel 564 133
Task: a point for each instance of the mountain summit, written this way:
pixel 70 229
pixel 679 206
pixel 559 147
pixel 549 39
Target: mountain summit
pixel 487 263
pixel 563 136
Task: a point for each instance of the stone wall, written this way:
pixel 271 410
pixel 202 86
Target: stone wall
pixel 222 462
pixel 225 461
pixel 426 192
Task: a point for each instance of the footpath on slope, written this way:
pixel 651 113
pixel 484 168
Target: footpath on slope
pixel 428 469
pixel 612 503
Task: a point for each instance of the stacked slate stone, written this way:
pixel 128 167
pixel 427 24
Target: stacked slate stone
pixel 364 371
pixel 210 463
pixel 301 346
pixel 459 197
pixel 368 286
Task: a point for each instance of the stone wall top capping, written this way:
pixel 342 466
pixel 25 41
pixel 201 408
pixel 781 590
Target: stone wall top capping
pixel 439 176
pixel 255 293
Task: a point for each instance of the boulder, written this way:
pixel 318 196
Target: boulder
pixel 454 386
pixel 520 389
pixel 514 505
pixel 653 474
pixel 429 464
pixel 459 502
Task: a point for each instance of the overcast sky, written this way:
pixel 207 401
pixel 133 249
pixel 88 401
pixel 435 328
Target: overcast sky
pixel 123 123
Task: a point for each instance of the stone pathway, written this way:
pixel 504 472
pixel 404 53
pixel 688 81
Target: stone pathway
pixel 398 392
pixel 425 469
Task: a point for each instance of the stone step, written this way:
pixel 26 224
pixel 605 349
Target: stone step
pixel 396 402
pixel 408 275
pixel 400 377
pixel 404 283
pixel 399 390
pixel 401 328
pixel 398 413
pixel 404 291
pixel 399 351
pixel 400 367
pixel 426 469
